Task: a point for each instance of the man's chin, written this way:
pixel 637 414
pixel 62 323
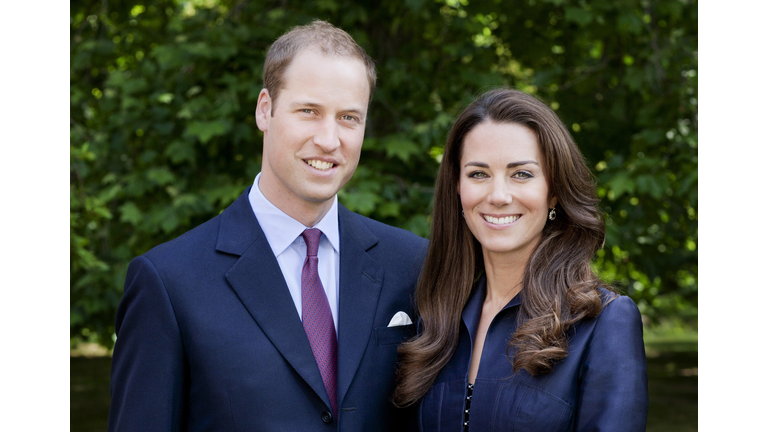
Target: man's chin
pixel 320 196
pixel 321 191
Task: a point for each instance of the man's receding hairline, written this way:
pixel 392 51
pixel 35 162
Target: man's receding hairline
pixel 284 81
pixel 318 50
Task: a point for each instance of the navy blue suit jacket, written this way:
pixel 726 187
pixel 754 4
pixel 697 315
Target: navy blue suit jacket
pixel 601 386
pixel 209 339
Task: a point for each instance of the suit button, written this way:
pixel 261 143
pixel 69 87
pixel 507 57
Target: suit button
pixel 326 416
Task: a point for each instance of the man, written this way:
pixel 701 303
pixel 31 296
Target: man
pixel 284 312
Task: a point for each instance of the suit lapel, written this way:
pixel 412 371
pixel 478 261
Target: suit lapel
pixel 258 282
pixel 360 283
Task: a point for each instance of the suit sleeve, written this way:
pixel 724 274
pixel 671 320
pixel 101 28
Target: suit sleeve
pixel 148 365
pixel 614 380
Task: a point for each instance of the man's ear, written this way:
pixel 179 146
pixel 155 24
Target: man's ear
pixel 263 110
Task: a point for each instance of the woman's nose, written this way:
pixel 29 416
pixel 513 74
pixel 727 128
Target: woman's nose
pixel 500 194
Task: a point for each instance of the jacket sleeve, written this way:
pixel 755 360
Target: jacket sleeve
pixel 148 365
pixel 614 380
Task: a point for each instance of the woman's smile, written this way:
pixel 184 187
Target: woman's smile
pixel 501 220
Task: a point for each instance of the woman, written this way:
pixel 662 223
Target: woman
pixel 515 331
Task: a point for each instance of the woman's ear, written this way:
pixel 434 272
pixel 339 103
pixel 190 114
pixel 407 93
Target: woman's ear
pixel 552 202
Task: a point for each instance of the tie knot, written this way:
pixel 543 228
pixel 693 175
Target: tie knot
pixel 312 239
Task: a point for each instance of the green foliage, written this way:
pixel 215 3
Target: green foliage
pixel 163 136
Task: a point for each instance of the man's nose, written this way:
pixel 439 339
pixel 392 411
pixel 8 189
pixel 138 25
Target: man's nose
pixel 327 136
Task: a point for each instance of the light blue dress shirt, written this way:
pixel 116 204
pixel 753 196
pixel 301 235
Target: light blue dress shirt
pixel 284 237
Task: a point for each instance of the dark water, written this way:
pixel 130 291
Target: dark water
pixel 88 393
pixel 672 383
pixel 673 387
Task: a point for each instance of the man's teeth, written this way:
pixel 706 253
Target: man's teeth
pixel 317 164
pixel 501 221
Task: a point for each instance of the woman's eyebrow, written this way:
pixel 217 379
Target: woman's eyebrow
pixel 517 164
pixel 477 164
pixel 509 165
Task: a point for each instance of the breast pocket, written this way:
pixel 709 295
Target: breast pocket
pixel 394 335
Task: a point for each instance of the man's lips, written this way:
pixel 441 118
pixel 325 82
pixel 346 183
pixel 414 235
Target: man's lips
pixel 319 164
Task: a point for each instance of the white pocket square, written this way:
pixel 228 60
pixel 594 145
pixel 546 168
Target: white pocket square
pixel 400 319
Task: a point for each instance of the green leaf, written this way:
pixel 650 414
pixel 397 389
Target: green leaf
pixel 206 130
pixel 629 22
pixel 170 223
pixel 180 151
pixel 419 225
pixel 399 147
pixel 688 183
pixel 362 202
pixel 652 185
pixel 578 15
pixel 169 57
pixel 160 176
pixel 388 209
pixel 130 213
pixel 621 183
pixel 165 98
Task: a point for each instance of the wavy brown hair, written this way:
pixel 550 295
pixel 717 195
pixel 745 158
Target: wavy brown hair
pixel 559 286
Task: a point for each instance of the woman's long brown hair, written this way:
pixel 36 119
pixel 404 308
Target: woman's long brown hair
pixel 559 286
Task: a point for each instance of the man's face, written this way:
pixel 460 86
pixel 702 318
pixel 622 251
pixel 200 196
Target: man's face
pixel 313 133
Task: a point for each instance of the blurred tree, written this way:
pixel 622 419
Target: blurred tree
pixel 163 137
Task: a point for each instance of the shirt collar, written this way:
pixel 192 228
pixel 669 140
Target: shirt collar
pixel 474 307
pixel 281 230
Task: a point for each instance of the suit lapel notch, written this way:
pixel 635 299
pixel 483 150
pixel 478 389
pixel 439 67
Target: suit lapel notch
pixel 238 227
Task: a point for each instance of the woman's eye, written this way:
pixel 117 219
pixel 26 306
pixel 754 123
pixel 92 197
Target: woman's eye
pixel 522 174
pixel 307 111
pixel 477 174
pixel 348 118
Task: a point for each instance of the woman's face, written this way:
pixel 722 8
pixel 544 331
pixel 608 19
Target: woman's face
pixel 503 189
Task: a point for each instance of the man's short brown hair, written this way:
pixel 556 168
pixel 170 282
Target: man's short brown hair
pixel 319 35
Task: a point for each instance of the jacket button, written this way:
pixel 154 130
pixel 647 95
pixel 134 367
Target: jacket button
pixel 326 416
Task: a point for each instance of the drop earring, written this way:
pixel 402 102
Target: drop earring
pixel 552 214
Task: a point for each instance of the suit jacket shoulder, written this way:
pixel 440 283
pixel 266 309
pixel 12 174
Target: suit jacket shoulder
pixel 397 242
pixel 201 239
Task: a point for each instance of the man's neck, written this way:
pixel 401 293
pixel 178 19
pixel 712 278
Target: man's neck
pixel 308 213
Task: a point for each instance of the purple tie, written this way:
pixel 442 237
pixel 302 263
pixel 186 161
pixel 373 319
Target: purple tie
pixel 316 316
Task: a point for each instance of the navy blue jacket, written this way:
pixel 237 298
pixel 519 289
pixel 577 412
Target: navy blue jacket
pixel 601 386
pixel 209 339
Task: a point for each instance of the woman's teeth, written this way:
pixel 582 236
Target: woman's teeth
pixel 502 220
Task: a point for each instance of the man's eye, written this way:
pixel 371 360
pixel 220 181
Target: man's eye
pixel 307 111
pixel 348 118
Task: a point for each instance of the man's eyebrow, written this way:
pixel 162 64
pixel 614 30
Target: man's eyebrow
pixel 305 104
pixel 509 165
pixel 357 111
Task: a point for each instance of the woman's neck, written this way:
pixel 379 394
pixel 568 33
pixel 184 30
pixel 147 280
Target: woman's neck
pixel 504 279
